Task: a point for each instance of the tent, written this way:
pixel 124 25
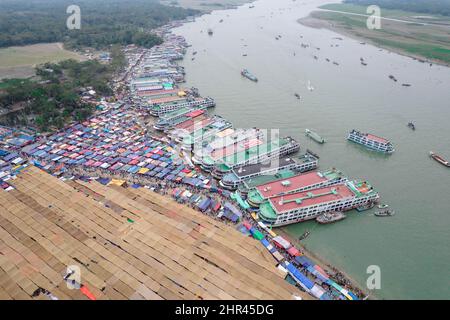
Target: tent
pixel 293 252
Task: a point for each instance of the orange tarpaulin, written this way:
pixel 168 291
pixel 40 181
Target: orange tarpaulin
pixel 84 290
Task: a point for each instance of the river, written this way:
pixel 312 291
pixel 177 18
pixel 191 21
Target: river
pixel 412 247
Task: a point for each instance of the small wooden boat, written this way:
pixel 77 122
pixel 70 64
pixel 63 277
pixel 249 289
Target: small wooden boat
pixel 384 213
pixel 304 235
pixel 439 159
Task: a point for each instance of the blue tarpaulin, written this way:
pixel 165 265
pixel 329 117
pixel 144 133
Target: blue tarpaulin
pixel 265 242
pixel 300 277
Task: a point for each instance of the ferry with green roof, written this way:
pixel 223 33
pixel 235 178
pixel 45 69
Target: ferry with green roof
pixel 165 108
pixel 176 117
pixel 200 134
pixel 237 176
pixel 255 152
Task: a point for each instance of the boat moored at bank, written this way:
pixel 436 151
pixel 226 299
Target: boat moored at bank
pixel 330 217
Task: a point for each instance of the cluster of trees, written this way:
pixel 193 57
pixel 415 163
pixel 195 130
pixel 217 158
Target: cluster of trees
pixel 55 99
pixel 441 7
pixel 103 22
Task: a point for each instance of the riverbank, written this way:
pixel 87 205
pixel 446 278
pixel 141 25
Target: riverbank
pixel 206 5
pixel 422 38
pixel 326 265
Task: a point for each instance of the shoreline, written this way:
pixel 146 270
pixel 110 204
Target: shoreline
pixel 319 23
pixel 325 264
pixel 314 257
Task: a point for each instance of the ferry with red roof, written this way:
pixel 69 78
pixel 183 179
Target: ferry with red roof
pixel 309 204
pixel 371 141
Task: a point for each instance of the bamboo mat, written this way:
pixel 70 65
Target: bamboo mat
pixel 128 244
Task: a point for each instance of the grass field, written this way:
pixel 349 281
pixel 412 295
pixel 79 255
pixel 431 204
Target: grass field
pixel 430 41
pixel 19 62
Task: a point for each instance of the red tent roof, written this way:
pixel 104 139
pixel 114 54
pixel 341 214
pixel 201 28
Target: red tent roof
pixel 247 224
pixel 293 251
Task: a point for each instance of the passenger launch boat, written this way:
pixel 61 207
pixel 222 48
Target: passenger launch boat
pixel 371 141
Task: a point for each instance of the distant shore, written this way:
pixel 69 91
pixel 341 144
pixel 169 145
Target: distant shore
pixel 207 6
pixel 395 37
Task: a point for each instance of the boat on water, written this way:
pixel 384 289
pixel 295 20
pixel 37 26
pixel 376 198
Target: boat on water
pixel 365 207
pixel 439 159
pixel 310 87
pixel 330 217
pixel 315 136
pixel 411 125
pixel 406 85
pixel 210 32
pixel 297 95
pixel 304 235
pixel 383 206
pixel 384 213
pixel 392 78
pixel 371 141
pixel 248 75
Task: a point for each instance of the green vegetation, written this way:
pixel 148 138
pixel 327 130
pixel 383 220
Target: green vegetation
pixel 412 37
pixel 440 7
pixel 205 5
pixel 103 22
pixel 55 100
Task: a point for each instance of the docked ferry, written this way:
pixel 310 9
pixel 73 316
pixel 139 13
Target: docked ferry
pixel 237 176
pixel 176 117
pixel 306 205
pixel 256 154
pixel 199 135
pixel 164 108
pixel 298 183
pixel 371 141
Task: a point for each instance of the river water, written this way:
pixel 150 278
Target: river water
pixel 412 247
